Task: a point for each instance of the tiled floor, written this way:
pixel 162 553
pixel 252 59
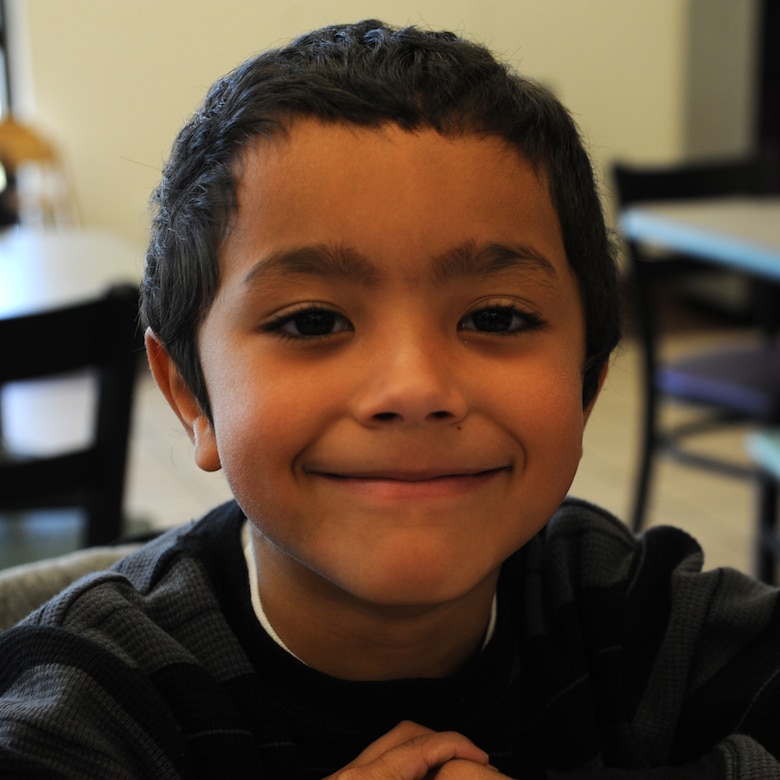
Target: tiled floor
pixel 166 488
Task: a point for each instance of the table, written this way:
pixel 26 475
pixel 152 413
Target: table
pixel 764 448
pixel 742 232
pixel 42 269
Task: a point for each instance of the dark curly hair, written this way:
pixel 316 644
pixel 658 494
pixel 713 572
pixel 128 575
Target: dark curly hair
pixel 366 74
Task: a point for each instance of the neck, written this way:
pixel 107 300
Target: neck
pixel 349 638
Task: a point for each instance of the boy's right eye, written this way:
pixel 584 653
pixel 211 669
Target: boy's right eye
pixel 308 322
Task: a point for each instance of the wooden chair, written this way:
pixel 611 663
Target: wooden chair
pixel 101 335
pixel 764 449
pixel 727 383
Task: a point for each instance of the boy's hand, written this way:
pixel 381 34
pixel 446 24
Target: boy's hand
pixel 413 752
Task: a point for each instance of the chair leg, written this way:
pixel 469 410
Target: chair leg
pixel 642 488
pixel 645 466
pixel 104 523
pixel 767 539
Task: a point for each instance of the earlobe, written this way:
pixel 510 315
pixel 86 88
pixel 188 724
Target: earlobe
pixel 183 402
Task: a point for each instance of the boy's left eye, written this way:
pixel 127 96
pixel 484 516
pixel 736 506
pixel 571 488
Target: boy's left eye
pixel 500 319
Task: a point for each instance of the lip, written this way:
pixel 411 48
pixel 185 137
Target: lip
pixel 399 484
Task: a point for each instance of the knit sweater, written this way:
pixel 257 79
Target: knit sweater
pixel 612 657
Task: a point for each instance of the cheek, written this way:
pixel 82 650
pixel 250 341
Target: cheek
pixel 262 431
pixel 253 424
pixel 543 410
pixel 541 388
pixel 564 414
pixel 255 457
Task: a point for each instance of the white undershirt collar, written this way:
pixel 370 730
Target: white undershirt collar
pixel 257 605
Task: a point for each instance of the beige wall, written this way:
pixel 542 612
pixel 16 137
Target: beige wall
pixel 721 76
pixel 111 81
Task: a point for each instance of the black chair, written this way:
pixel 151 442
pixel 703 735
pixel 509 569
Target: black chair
pixel 726 383
pixel 101 335
pixel 764 448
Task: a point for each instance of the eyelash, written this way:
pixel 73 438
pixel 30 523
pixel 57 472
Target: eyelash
pixel 530 321
pixel 278 323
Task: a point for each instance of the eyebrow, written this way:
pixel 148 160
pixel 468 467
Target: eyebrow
pixel 467 260
pixel 336 262
pixel 472 261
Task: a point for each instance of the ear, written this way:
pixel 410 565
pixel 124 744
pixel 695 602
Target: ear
pixel 183 402
pixel 602 378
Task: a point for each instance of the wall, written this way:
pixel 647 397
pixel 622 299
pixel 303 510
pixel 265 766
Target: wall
pixel 111 82
pixel 721 76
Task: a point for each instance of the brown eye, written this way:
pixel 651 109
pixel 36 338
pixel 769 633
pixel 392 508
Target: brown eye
pixel 493 320
pixel 500 319
pixel 314 323
pixel 309 322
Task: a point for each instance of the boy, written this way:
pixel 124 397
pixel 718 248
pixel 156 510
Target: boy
pixel 381 297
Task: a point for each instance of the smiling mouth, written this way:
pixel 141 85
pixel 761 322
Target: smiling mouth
pixel 413 484
pixel 413 476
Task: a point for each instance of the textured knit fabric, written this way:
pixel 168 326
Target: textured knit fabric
pixel 612 657
pixel 25 587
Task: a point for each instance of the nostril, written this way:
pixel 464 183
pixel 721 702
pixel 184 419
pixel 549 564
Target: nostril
pixel 390 416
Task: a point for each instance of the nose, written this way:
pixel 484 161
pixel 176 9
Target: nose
pixel 411 383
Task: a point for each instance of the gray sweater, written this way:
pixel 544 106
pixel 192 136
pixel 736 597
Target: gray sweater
pixel 612 657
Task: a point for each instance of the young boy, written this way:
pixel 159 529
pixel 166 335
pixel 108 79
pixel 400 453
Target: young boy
pixel 381 297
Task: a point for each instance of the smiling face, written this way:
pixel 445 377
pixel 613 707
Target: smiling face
pixel 393 360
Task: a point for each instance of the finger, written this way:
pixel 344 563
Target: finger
pixel 399 735
pixel 460 769
pixel 439 748
pixel 414 759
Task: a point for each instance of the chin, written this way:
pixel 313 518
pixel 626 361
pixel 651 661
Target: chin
pixel 415 581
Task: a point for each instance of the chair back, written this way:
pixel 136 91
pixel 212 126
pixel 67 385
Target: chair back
pixel 101 335
pixel 757 174
pixel 707 380
pixel 754 175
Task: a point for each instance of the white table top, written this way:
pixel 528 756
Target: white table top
pixel 42 269
pixel 741 232
pixel 764 448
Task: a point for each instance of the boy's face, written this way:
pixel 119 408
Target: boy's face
pixel 394 360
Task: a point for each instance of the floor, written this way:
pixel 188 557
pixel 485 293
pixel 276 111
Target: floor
pixel 717 510
pixel 166 488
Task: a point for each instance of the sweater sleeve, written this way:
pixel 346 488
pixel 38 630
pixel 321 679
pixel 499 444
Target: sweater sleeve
pixel 122 676
pixel 68 707
pixel 733 683
pixel 735 758
pixel 716 677
pixel 682 665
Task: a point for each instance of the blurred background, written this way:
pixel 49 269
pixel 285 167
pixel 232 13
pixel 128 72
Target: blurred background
pixel 110 83
pixel 105 85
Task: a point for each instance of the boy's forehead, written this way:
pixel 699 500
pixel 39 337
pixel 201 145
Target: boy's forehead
pixel 307 137
pixel 315 181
